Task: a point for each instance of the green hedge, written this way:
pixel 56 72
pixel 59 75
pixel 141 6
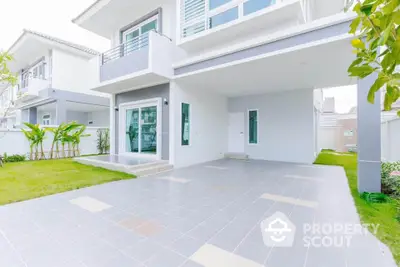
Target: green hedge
pixel 390 183
pixel 13 158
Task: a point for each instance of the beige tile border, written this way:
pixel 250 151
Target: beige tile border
pixel 90 204
pixel 212 256
pixel 290 200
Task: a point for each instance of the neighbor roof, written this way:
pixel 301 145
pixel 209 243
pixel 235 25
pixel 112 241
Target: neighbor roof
pixel 57 40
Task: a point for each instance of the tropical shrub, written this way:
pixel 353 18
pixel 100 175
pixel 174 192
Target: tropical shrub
pixel 35 136
pixel 390 182
pixel 69 134
pixel 13 158
pixel 103 141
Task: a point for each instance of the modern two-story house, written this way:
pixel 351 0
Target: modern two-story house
pixel 54 77
pixel 194 80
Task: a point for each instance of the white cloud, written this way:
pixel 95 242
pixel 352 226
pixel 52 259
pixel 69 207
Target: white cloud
pixel 51 17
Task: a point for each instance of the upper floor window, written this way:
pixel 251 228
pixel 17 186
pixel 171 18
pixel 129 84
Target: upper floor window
pixel 201 15
pixel 137 36
pixel 216 3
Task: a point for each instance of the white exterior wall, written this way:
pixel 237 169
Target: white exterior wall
pixel 390 143
pixel 14 142
pixel 73 73
pixel 285 125
pixel 208 126
pixel 328 137
pixel 99 118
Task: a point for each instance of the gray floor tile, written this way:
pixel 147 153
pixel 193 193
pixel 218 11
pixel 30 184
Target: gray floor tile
pixel 220 207
pixel 144 250
pixel 165 258
pixel 190 263
pixel 186 246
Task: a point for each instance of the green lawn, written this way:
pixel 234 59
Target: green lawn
pixel 30 179
pixel 383 214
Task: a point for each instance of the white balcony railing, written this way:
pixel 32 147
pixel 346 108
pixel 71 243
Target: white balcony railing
pixel 124 49
pixel 201 15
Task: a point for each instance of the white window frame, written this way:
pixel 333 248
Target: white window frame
pixel 139 26
pixel 122 124
pixel 248 127
pixel 37 68
pixel 47 119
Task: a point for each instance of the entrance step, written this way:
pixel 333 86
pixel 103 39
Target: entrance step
pixel 234 155
pixel 133 168
pixel 150 169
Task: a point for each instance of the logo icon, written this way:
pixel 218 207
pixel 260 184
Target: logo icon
pixel 278 231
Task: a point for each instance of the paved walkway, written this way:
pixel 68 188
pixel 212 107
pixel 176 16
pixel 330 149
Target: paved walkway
pixel 207 215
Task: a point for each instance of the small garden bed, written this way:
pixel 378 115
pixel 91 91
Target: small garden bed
pixel 385 214
pixel 31 179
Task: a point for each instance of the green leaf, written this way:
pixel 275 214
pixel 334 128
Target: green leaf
pixel 396 17
pixel 385 35
pixel 387 61
pixel 390 7
pixel 354 25
pixel 355 63
pixel 379 82
pixel 366 8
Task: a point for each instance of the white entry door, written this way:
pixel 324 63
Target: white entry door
pixel 236 132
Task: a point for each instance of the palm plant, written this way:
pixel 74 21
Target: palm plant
pixel 31 139
pixel 57 136
pixel 66 137
pixel 76 139
pixel 36 137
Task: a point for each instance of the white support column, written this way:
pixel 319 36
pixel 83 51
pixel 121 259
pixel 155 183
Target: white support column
pixel 113 149
pixel 369 137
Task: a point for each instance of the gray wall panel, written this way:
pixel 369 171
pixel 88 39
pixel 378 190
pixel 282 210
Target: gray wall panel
pixel 136 61
pixel 142 94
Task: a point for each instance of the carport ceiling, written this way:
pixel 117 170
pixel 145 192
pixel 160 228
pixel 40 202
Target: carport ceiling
pixel 321 66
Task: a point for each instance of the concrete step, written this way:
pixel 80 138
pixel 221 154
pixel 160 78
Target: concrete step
pixel 152 169
pixel 234 155
pixel 147 165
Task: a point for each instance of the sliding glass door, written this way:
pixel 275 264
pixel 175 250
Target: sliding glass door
pixel 141 130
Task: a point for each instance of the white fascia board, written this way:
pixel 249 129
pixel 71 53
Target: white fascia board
pixel 271 54
pixel 304 28
pixel 90 11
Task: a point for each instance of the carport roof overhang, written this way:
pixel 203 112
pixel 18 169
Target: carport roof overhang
pixel 320 61
pixel 321 65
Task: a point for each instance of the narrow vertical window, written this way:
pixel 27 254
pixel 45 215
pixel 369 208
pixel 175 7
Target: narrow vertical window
pixel 185 125
pixel 253 126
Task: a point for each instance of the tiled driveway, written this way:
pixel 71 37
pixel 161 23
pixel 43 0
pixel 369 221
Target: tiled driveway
pixel 207 215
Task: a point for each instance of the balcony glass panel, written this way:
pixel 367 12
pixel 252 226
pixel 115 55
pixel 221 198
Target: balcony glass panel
pixel 216 3
pixel 252 6
pixel 224 17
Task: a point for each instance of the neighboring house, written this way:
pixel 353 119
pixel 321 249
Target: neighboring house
pixel 54 77
pixel 7 109
pixel 194 80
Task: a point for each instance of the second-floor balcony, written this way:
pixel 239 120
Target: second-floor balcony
pixel 143 60
pixel 30 88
